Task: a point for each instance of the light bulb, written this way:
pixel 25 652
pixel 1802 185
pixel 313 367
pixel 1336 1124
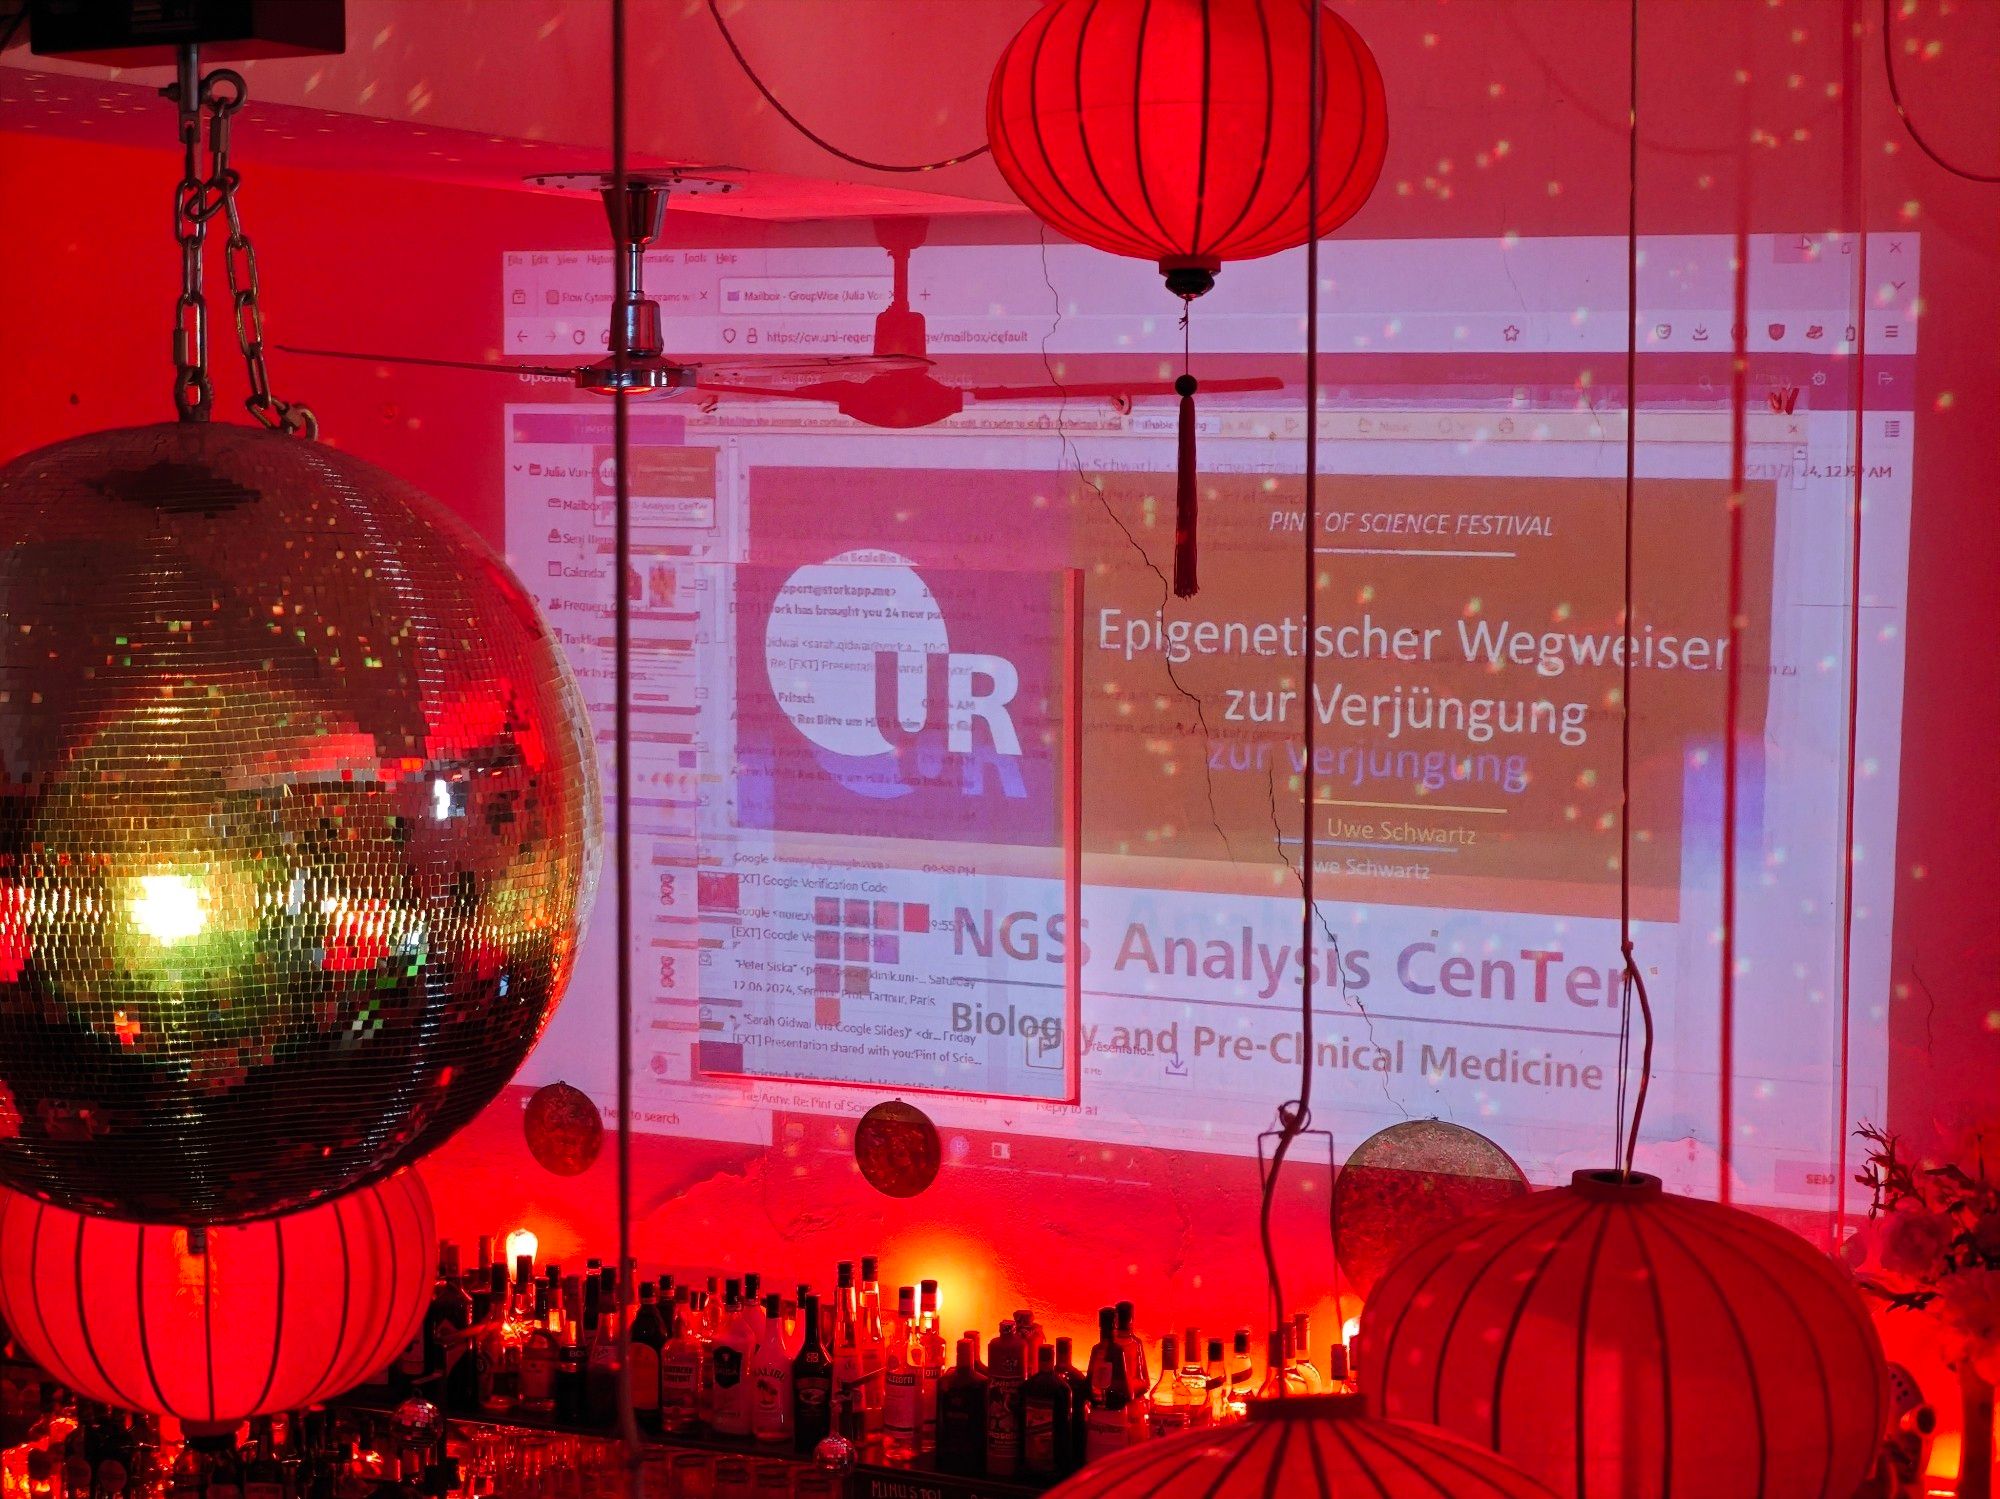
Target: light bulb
pixel 521 1241
pixel 169 907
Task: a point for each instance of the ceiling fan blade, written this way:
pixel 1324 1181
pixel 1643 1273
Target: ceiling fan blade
pixel 1084 390
pixel 819 390
pixel 564 372
pixel 832 364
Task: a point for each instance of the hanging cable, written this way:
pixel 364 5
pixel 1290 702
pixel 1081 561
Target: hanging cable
pixel 621 445
pixel 1903 113
pixel 715 10
pixel 1633 981
pixel 1294 1117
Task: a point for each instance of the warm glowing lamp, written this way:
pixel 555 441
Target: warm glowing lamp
pixel 521 1241
pixel 301 828
pixel 1184 132
pixel 219 1325
pixel 1619 1342
pixel 1324 1445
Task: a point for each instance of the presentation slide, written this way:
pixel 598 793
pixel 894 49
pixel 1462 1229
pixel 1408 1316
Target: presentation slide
pixel 937 790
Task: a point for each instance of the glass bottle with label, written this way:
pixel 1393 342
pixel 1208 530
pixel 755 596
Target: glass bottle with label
pixel 1006 1373
pixel 683 1375
pixel 1194 1378
pixel 875 1356
pixel 642 1368
pixel 1108 1426
pixel 1242 1376
pixel 1079 1402
pixel 812 1383
pixel 961 1425
pixel 1302 1352
pixel 541 1355
pixel 771 1378
pixel 1045 1417
pixel 730 1361
pixel 930 1364
pixel 902 1421
pixel 1169 1415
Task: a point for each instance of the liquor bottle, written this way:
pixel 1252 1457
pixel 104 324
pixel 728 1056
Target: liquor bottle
pixel 1045 1419
pixel 593 1310
pixel 1108 1427
pixel 462 1394
pixel 1242 1376
pixel 1295 1382
pixel 902 1422
pixel 683 1374
pixel 930 1364
pixel 500 1378
pixel 875 1351
pixel 263 1474
pixel 1170 1414
pixel 602 1368
pixel 1006 1373
pixel 571 1397
pixel 1031 1338
pixel 730 1358
pixel 771 1378
pixel 1275 1386
pixel 225 1474
pixel 961 1423
pixel 753 1304
pixel 812 1384
pixel 1302 1348
pixel 1194 1379
pixel 642 1368
pixel 1079 1403
pixel 972 1336
pixel 1135 1349
pixel 541 1355
pixel 1336 1368
pixel 450 1314
pixel 187 1479
pixel 849 1351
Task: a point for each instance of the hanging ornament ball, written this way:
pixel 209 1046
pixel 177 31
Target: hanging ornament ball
pixel 298 822
pixel 564 1129
pixel 896 1147
pixel 1304 1445
pixel 1407 1182
pixel 1179 131
pixel 213 1326
pixel 835 1454
pixel 1617 1341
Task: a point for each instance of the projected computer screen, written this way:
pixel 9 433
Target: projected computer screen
pixel 937 790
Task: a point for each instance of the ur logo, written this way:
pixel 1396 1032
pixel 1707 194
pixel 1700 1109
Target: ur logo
pixel 859 658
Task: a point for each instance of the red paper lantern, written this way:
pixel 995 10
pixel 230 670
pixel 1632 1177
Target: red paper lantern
pixel 1183 131
pixel 564 1129
pixel 1614 1340
pixel 1306 1444
pixel 219 1325
pixel 1178 130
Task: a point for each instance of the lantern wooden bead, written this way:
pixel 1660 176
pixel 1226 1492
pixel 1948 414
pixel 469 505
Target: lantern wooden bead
pixel 218 1325
pixel 564 1130
pixel 1617 1341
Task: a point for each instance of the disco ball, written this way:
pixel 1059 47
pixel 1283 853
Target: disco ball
pixel 298 823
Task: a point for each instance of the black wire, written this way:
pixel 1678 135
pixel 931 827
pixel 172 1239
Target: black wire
pixel 621 439
pixel 1902 113
pixel 1293 1118
pixel 1631 979
pixel 715 10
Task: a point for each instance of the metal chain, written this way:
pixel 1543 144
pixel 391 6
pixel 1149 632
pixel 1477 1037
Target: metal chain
pixel 197 200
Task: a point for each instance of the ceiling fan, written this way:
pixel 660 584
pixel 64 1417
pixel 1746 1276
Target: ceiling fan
pixel 649 369
pixel 901 390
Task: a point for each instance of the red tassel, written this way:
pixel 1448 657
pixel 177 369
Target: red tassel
pixel 1185 504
